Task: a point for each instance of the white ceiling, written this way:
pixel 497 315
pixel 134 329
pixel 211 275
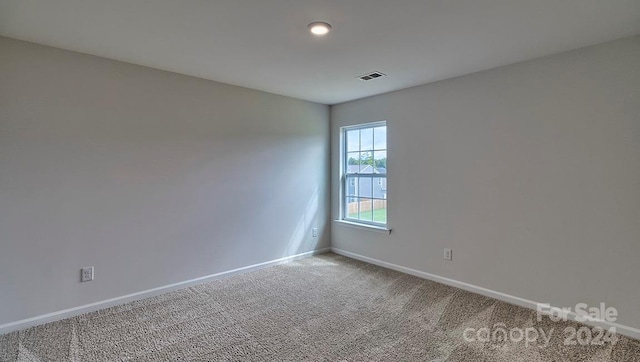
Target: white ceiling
pixel 265 45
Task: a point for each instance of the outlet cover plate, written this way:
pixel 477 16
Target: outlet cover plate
pixel 86 274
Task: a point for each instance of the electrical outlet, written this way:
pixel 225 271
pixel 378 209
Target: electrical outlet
pixel 86 274
pixel 314 232
pixel 448 254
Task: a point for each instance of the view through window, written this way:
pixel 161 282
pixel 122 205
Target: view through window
pixel 365 173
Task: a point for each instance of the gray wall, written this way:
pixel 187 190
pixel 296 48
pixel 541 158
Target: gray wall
pixel 530 173
pixel 152 177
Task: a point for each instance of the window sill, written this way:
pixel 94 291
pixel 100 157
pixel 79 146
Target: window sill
pixel 377 229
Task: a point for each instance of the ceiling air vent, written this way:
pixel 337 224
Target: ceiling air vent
pixel 372 75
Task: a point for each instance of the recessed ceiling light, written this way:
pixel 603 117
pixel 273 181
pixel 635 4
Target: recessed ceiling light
pixel 319 28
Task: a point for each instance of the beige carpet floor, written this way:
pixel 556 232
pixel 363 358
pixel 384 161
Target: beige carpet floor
pixel 323 308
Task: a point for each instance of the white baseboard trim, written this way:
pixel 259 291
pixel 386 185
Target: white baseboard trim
pixel 75 311
pixel 620 329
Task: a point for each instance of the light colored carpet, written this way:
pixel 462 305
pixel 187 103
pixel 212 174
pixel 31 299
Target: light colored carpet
pixel 323 308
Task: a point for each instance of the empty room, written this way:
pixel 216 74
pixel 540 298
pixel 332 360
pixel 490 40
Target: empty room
pixel 321 180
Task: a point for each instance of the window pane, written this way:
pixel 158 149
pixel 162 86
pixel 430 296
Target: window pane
pixel 366 162
pixel 380 138
pixel 353 140
pixel 353 162
pixel 380 161
pixel 365 209
pixel 364 187
pixel 351 186
pixel 366 139
pixel 379 212
pixel 380 187
pixel 351 208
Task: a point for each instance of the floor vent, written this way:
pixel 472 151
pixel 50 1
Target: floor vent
pixel 372 75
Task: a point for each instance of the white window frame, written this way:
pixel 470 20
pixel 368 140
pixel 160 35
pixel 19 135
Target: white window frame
pixel 344 178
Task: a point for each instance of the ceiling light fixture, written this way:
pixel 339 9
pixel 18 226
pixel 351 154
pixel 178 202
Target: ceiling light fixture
pixel 319 28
